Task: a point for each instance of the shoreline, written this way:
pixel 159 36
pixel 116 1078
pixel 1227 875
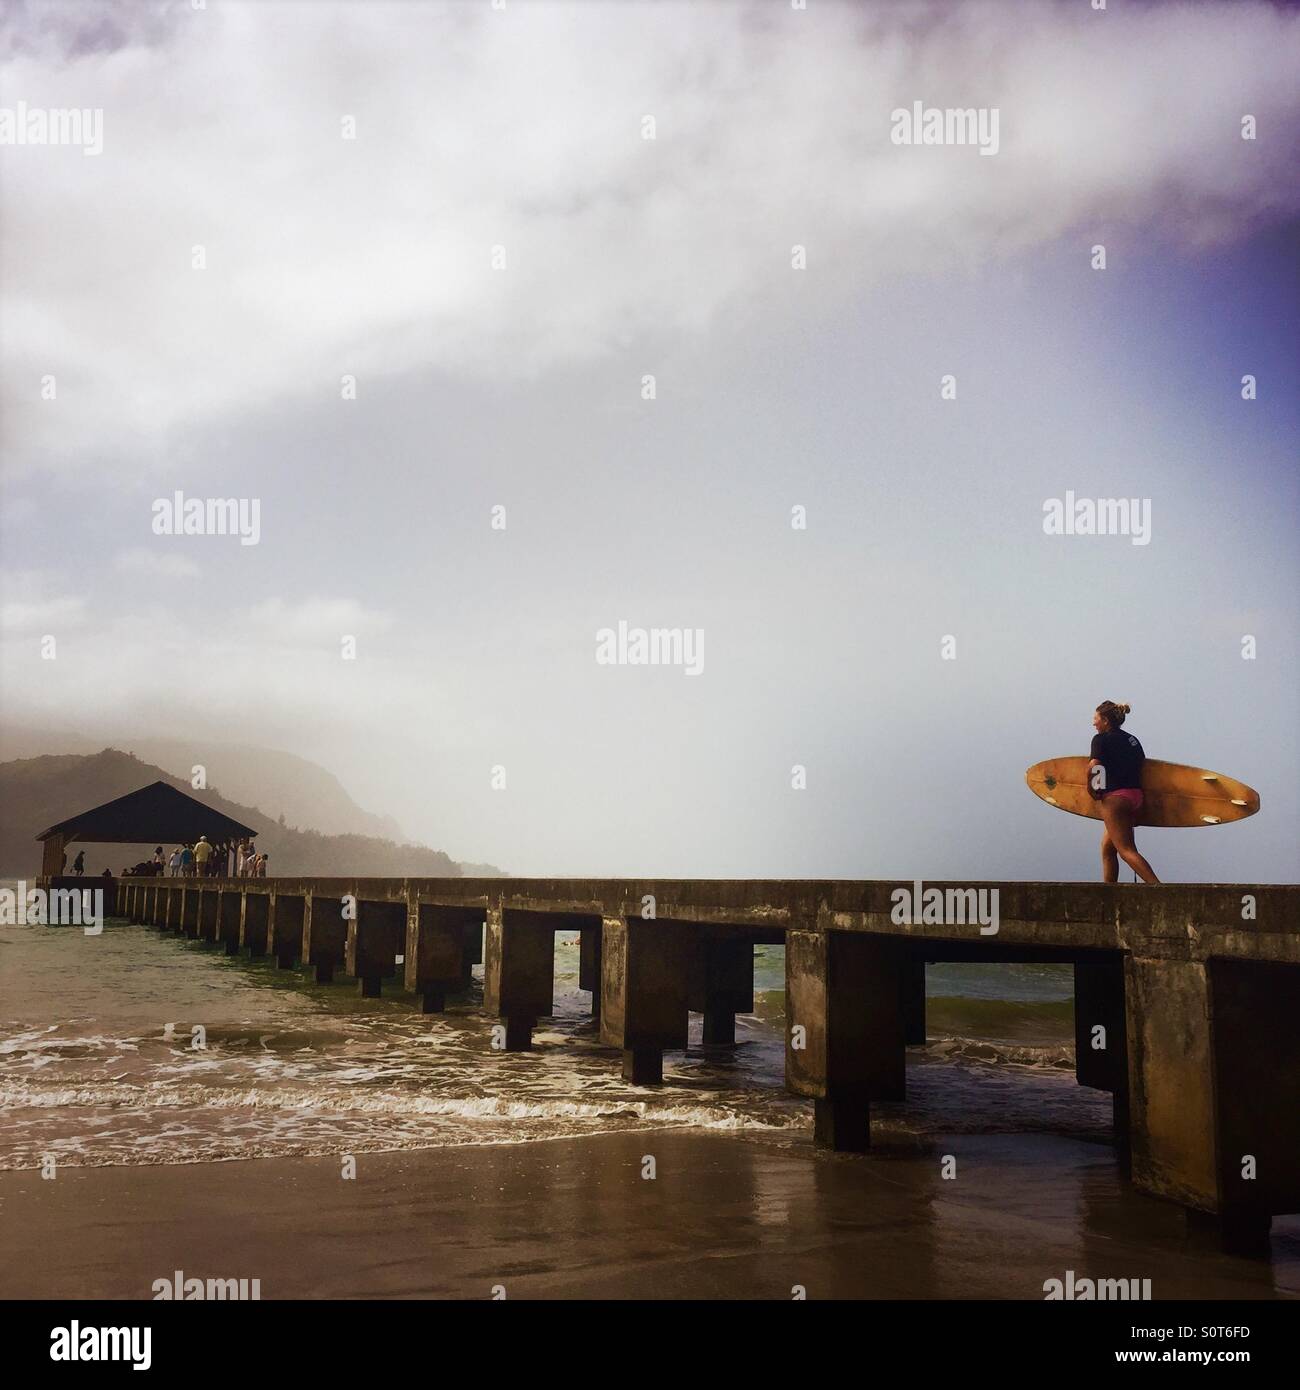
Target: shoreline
pixel 726 1216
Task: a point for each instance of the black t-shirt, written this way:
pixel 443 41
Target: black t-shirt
pixel 1122 757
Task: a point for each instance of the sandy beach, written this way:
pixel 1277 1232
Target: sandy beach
pixel 725 1217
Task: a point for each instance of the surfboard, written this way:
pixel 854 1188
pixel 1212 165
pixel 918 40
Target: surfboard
pixel 1175 794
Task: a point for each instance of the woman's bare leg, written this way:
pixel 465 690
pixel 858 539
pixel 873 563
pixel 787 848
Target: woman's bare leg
pixel 1109 859
pixel 1118 820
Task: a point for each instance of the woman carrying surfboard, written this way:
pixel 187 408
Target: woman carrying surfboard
pixel 1115 781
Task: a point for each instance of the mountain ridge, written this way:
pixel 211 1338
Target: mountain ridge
pixel 36 793
pixel 278 783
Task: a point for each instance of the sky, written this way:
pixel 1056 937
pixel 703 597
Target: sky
pixel 399 272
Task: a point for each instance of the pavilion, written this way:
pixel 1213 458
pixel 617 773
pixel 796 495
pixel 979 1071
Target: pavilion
pixel 158 814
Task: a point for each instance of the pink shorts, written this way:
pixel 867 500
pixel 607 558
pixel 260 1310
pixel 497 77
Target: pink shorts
pixel 1131 795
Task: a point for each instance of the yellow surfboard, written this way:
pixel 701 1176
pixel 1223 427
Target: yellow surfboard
pixel 1175 794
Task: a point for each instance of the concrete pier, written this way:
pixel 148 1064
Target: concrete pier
pixel 1187 997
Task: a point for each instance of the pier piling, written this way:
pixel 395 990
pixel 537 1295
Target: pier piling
pixel 286 929
pixel 519 971
pixel 589 963
pixel 190 911
pixel 230 911
pixel 324 935
pixel 376 936
pixel 1214 1067
pixel 845 1029
pixel 645 978
pixel 209 905
pixel 721 982
pixel 437 950
pixel 913 975
pixel 255 922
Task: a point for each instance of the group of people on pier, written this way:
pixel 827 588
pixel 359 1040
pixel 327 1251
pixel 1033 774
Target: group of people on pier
pixel 202 859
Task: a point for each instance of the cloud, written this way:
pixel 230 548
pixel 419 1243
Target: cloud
pixel 315 620
pixel 273 673
pixel 522 129
pixel 52 615
pixel 155 564
pixel 32 606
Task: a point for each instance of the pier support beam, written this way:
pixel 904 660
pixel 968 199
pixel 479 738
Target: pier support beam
pixel 208 907
pixel 914 1001
pixel 190 912
pixel 286 929
pixel 1214 1091
pixel 254 923
pixel 324 936
pixel 589 939
pixel 645 979
pixel 722 983
pixel 1101 1040
pixel 195 929
pixel 229 911
pixel 376 936
pixel 519 971
pixel 473 950
pixel 436 951
pixel 846 1034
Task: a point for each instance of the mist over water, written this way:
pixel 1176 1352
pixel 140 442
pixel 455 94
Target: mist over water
pixel 97 1064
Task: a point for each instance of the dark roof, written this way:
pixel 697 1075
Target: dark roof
pixel 157 812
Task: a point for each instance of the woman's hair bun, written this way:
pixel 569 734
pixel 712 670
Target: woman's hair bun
pixel 1128 709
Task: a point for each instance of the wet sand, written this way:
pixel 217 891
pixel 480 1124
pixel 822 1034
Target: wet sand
pixel 725 1217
